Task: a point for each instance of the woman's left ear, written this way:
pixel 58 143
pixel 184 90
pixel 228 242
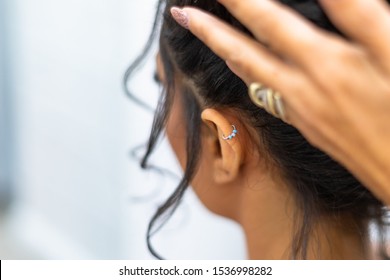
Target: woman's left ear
pixel 223 144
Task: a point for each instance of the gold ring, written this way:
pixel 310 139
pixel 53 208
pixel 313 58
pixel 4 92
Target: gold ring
pixel 268 99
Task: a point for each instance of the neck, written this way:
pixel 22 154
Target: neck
pixel 267 215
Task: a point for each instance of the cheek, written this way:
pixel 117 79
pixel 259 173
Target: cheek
pixel 176 131
pixel 203 184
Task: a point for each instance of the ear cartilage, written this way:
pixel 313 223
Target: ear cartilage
pixel 231 135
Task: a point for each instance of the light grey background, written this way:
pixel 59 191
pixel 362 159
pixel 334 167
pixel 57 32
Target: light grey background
pixel 66 130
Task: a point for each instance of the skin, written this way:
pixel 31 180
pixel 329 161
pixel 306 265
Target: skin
pixel 235 180
pixel 336 92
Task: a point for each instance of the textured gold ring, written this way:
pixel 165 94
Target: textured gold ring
pixel 268 99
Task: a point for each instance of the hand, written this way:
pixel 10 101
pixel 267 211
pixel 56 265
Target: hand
pixel 336 92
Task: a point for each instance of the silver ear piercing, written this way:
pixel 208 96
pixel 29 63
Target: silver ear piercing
pixel 231 135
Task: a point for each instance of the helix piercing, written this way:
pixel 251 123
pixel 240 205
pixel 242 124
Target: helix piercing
pixel 231 135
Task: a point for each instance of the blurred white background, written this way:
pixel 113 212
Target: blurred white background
pixel 68 187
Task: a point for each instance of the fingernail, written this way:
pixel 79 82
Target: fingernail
pixel 180 16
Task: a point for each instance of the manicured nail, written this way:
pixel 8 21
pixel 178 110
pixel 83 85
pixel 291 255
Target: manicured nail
pixel 180 16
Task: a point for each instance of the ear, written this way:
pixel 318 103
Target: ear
pixel 226 154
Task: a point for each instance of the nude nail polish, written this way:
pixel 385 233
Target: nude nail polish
pixel 180 16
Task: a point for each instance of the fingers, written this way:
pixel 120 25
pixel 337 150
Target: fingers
pixel 279 27
pixel 247 58
pixel 367 22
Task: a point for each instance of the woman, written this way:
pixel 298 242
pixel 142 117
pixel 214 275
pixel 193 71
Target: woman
pixel 346 100
pixel 291 199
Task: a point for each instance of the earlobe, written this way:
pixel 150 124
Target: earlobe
pixel 225 141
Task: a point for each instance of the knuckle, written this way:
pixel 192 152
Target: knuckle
pixel 335 75
pixel 348 55
pixel 315 109
pixel 240 60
